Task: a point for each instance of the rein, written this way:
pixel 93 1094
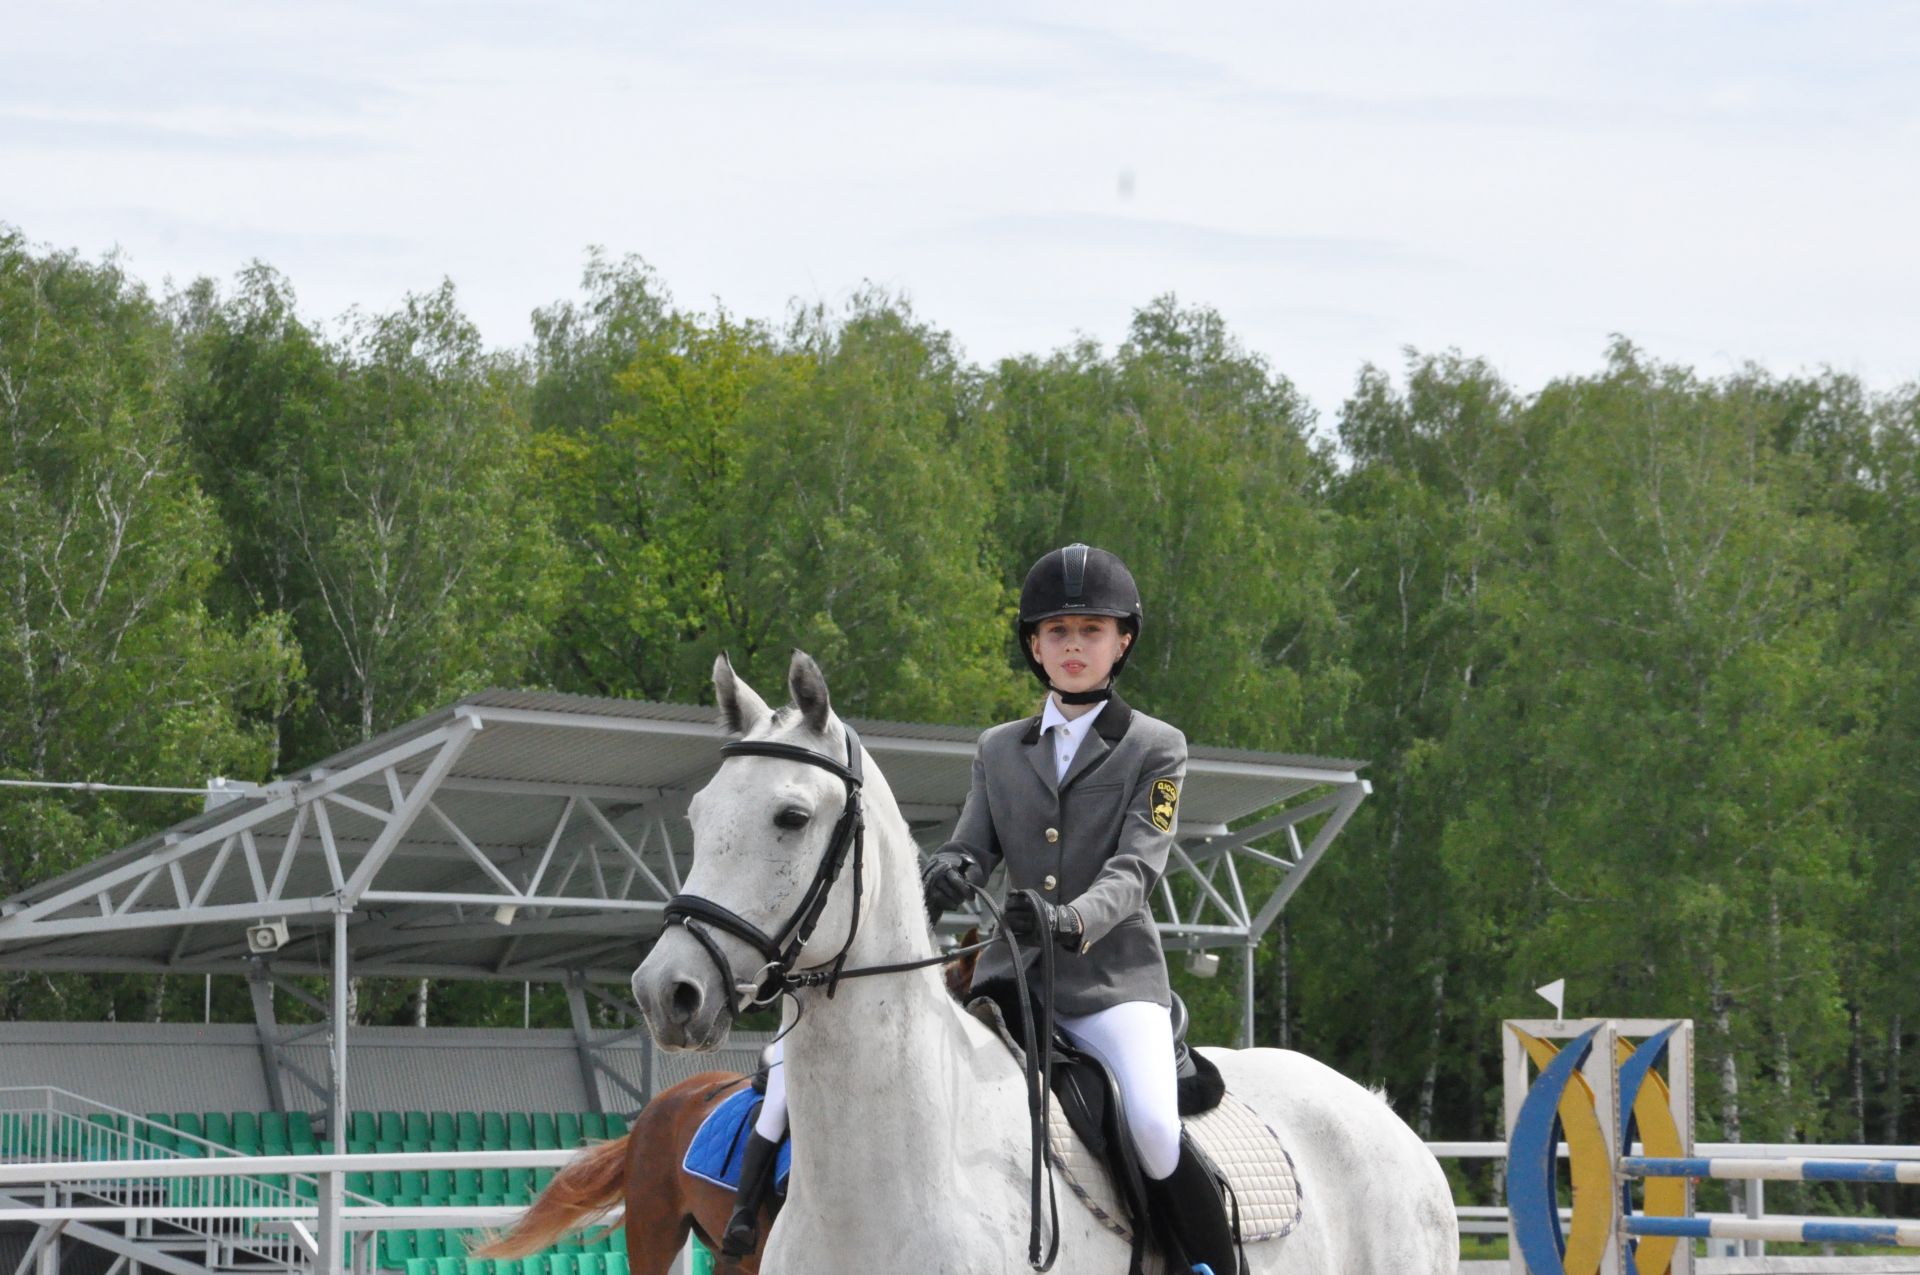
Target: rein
pixel 697 914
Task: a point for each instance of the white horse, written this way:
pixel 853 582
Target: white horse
pixel 909 1119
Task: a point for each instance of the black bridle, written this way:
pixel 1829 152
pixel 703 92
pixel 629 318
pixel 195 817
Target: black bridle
pixel 695 913
pixel 778 977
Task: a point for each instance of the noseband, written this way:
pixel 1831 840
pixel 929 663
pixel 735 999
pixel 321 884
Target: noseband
pixel 696 914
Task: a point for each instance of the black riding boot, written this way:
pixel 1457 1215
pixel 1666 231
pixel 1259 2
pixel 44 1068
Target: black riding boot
pixel 756 1175
pixel 1191 1218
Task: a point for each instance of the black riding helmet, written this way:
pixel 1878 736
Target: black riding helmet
pixel 1078 580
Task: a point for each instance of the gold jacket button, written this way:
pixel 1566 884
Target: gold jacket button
pixel 1053 835
pixel 1050 883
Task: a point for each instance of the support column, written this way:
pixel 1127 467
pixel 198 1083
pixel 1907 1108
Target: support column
pixel 266 1029
pixel 330 1233
pixel 583 1038
pixel 1246 994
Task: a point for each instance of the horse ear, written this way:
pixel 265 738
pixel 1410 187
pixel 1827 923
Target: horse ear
pixel 740 708
pixel 808 686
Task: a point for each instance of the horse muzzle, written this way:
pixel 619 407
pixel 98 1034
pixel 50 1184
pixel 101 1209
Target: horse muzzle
pixel 682 1000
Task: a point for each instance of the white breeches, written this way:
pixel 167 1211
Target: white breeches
pixel 772 1122
pixel 1135 1040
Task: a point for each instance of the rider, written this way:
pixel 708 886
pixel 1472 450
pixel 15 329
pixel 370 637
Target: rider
pixel 1079 803
pixel 757 1162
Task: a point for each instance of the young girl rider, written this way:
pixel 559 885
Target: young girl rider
pixel 1079 803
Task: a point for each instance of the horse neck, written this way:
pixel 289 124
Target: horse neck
pixel 877 1037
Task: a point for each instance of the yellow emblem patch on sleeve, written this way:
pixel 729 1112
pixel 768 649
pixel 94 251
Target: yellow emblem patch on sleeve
pixel 1166 799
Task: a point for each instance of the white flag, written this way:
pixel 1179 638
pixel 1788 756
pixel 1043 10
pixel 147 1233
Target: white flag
pixel 1556 996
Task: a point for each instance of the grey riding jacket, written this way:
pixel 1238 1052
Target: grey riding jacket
pixel 1097 839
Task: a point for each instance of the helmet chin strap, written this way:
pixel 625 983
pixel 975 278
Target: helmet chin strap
pixel 1084 697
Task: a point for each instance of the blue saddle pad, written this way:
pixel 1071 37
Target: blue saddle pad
pixel 718 1149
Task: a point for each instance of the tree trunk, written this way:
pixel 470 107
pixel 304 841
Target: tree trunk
pixel 1721 1004
pixel 1286 988
pixel 1425 1121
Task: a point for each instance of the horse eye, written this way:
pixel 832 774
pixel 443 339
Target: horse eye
pixel 792 817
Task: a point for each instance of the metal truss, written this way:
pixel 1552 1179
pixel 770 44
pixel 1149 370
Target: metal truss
pixel 506 869
pixel 1217 872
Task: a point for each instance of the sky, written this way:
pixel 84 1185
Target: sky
pixel 1720 181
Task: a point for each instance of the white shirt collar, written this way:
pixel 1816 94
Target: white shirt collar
pixel 1067 741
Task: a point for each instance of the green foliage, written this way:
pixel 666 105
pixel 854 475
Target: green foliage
pixel 111 664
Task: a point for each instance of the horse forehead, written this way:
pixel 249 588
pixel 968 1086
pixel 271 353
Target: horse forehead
pixel 761 778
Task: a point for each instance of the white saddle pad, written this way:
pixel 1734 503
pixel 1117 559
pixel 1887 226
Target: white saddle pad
pixel 1243 1146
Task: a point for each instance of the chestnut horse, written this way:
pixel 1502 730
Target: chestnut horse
pixel 664 1203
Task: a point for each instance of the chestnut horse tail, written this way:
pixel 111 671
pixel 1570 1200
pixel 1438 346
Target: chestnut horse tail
pixel 591 1184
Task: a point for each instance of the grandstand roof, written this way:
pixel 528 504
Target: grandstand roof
pixel 522 835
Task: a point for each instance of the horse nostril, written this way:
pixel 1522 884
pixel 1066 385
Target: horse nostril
pixel 686 1002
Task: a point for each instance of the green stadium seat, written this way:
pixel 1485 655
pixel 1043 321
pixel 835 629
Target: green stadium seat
pixel 430 1243
pixel 188 1122
pixel 570 1244
pixel 440 1130
pixel 273 1133
pixel 306 1188
pixel 540 1179
pixel 617 1239
pixel 218 1126
pixel 545 1138
pixel 450 1266
pixel 616 1264
pixel 439 1182
pixel 593 1126
pixel 535 1265
pixel 356 1147
pixel 155 1131
pixel 492 1200
pixel 519 1132
pixel 392 1128
pixel 300 1136
pixel 360 1182
pixel 386 1185
pixel 493 1131
pixel 396 1248
pixel 419 1130
pixel 460 1201
pixel 566 1128
pixel 419 1266
pixel 466 1182
pixel 466 1130
pixel 562 1264
pixel 246 1132
pixel 589 1264
pixel 362 1127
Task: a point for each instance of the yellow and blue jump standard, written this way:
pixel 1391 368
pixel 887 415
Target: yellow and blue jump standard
pixel 1598 1093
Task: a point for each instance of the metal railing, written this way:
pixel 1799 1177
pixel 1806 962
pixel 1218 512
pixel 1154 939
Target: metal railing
pixel 217 1216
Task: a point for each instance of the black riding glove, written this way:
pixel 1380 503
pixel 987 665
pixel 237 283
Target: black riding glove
pixel 944 881
pixel 1030 917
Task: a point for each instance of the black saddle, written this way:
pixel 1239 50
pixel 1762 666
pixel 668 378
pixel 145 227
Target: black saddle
pixel 1089 1095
